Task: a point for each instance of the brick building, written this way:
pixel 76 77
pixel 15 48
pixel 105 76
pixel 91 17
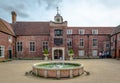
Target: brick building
pixel 115 42
pixel 30 39
pixel 7 40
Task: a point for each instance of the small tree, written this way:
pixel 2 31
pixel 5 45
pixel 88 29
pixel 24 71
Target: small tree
pixel 46 54
pixel 71 53
pixel 45 51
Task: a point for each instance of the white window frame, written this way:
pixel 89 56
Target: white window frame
pixel 81 31
pixel 81 52
pixel 69 40
pixel 94 31
pixel 46 45
pixel 19 46
pixel 81 42
pixel 33 46
pixel 69 31
pixel 96 43
pixel 2 48
pixel 94 52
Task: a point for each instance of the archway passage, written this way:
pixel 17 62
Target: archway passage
pixel 58 54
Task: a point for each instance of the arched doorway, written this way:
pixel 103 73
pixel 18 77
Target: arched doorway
pixel 58 53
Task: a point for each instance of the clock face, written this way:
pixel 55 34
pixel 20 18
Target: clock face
pixel 58 20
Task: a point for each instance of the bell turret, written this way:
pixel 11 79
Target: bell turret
pixel 58 18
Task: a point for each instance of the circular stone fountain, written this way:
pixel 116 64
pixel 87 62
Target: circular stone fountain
pixel 58 69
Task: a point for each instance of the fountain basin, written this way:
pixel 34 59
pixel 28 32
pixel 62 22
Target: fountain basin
pixel 58 69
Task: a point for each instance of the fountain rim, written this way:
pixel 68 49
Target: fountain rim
pixel 35 66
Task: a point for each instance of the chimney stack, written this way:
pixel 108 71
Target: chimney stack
pixel 13 16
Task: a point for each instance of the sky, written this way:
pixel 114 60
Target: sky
pixel 76 12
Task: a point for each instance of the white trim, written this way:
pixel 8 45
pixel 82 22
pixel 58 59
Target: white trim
pixel 3 51
pixel 58 48
pixel 69 31
pixel 81 52
pixel 80 42
pixel 92 43
pixel 35 46
pixel 94 52
pixel 81 31
pixel 94 31
pixel 47 45
pixel 17 46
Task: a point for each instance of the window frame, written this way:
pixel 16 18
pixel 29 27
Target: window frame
pixel 81 44
pixel 69 31
pixel 96 45
pixel 93 53
pixel 69 42
pixel 33 46
pixel 81 31
pixel 56 32
pixel 83 51
pixel 2 50
pixel 94 31
pixel 20 44
pixel 46 45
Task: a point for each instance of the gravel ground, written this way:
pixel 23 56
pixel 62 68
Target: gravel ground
pixel 101 71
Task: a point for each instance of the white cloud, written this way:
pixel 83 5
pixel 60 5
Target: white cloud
pixel 76 12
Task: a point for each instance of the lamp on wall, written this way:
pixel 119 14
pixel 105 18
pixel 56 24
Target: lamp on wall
pixel 10 39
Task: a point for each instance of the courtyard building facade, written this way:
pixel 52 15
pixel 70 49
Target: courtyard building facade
pixel 21 39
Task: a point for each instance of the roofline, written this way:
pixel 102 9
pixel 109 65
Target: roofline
pixel 7 33
pixel 115 34
pixel 35 35
pixel 7 27
pixel 90 27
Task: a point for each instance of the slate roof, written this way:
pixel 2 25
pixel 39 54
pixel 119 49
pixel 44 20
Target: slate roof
pixel 6 27
pixel 31 28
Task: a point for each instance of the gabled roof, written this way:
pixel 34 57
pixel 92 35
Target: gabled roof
pixel 31 28
pixel 6 27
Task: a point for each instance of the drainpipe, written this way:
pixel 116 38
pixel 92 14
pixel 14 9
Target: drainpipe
pixel 115 46
pixel 88 45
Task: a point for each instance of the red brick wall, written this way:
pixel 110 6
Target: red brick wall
pixel 76 39
pixel 4 42
pixel 38 41
pixel 102 37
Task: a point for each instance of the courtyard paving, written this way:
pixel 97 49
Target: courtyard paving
pixel 101 71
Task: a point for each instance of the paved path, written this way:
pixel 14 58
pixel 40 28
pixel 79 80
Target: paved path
pixel 101 71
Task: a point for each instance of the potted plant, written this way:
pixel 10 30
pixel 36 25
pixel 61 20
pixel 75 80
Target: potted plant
pixel 71 53
pixel 46 54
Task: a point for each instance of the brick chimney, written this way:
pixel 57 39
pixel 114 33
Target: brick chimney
pixel 13 16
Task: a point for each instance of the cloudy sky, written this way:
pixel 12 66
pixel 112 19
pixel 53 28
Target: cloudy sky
pixel 76 12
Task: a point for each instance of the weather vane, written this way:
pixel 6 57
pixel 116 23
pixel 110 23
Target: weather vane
pixel 57 9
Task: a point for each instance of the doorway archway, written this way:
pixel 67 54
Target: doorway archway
pixel 58 53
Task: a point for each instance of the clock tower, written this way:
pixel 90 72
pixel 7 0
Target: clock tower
pixel 58 37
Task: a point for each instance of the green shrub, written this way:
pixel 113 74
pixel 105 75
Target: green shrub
pixel 46 51
pixel 71 51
